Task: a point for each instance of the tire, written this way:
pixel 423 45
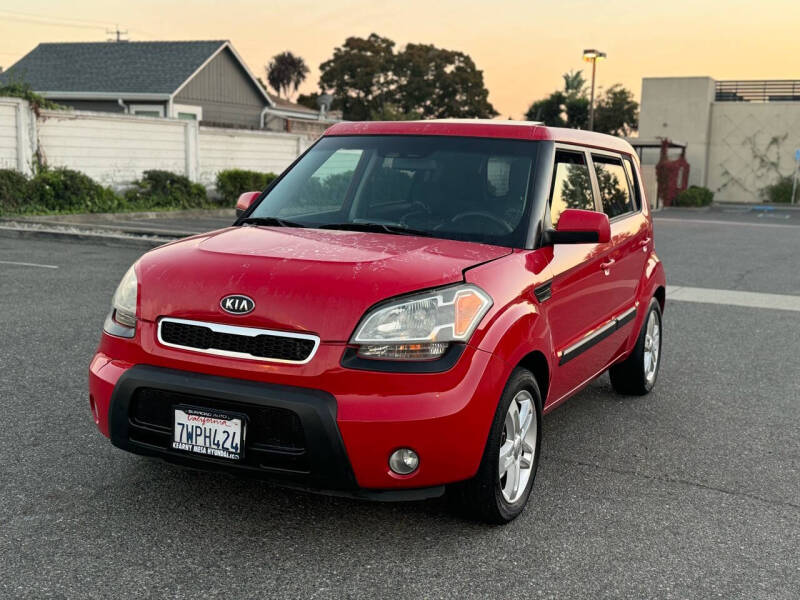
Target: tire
pixel 636 375
pixel 491 496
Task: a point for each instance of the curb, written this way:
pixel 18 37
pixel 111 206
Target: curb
pixel 92 238
pixel 100 217
pixel 119 229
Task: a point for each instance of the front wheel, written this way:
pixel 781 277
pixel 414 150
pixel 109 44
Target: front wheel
pixel 636 375
pixel 499 491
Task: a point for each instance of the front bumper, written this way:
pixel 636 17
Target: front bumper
pixel 347 431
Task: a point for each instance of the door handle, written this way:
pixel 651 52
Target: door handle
pixel 607 265
pixel 644 244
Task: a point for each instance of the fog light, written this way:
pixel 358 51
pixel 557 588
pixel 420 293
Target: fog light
pixel 403 461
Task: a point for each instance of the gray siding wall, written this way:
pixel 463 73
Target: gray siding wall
pixel 111 106
pixel 225 92
pixel 95 105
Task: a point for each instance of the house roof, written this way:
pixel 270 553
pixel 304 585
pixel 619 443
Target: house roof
pixel 116 67
pixel 282 103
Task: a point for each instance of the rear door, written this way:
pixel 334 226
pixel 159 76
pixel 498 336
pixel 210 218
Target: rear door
pixel 621 200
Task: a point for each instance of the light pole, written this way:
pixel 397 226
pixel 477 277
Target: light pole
pixel 591 55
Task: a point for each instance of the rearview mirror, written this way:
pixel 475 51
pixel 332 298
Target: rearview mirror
pixel 244 202
pixel 579 227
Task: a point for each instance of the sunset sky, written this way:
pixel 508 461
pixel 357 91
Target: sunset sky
pixel 522 47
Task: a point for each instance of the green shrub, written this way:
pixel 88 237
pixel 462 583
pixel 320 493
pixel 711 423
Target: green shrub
pixel 13 190
pixel 162 189
pixel 780 192
pixel 20 89
pixel 694 196
pixel 234 182
pixel 65 190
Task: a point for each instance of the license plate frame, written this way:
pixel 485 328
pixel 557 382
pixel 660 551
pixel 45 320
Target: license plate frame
pixel 213 419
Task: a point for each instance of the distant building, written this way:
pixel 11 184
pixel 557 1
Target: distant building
pixel 740 136
pixel 205 81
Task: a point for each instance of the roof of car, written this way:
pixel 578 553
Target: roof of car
pixel 513 130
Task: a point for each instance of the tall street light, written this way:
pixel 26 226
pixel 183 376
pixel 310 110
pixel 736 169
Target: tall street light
pixel 591 55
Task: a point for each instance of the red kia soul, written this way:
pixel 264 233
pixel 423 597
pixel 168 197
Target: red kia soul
pixel 392 317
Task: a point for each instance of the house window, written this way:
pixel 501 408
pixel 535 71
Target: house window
pixel 146 110
pixel 187 112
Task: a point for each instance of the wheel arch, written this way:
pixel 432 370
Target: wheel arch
pixel 536 363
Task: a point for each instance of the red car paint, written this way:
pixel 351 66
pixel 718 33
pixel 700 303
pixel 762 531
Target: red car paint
pixel 323 282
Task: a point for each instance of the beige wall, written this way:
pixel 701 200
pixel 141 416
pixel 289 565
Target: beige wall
pixel 752 146
pixel 679 108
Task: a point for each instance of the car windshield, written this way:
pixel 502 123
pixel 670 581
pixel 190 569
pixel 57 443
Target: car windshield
pixel 471 189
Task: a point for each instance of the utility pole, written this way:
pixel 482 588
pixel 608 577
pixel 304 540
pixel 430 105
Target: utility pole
pixel 116 32
pixel 591 55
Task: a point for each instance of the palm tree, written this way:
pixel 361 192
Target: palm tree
pixel 286 71
pixel 574 83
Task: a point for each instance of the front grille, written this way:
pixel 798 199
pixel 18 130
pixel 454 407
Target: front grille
pixel 242 342
pixel 274 437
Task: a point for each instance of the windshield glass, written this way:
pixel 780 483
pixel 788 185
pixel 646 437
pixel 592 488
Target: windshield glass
pixel 471 189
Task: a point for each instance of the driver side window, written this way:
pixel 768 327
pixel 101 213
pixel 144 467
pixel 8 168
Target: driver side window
pixel 572 184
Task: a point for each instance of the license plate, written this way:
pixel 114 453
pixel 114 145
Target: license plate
pixel 209 433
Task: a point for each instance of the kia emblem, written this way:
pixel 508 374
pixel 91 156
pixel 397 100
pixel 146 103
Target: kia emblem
pixel 236 304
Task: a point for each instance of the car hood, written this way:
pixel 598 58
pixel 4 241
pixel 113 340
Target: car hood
pixel 309 280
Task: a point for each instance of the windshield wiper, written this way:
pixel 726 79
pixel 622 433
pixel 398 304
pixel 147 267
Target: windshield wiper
pixel 376 228
pixel 269 222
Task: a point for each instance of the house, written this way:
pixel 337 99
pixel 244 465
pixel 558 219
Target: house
pixel 206 81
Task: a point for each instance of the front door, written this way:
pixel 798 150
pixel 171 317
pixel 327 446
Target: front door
pixel 587 291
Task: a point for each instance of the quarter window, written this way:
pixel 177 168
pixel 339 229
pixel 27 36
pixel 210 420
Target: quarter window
pixel 637 190
pixel 572 186
pixel 613 184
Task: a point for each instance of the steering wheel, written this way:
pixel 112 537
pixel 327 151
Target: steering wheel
pixel 484 215
pixel 417 208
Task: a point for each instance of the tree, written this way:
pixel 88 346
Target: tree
pixel 615 111
pixel 372 81
pixel 436 83
pixel 360 75
pixel 286 71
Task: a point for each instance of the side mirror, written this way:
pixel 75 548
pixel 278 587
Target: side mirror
pixel 244 202
pixel 580 227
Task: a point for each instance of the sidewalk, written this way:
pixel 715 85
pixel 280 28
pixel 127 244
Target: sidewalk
pixel 149 228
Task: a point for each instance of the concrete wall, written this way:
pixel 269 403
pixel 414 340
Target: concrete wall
pixel 679 108
pixel 116 149
pixel 220 149
pixel 752 146
pixel 8 135
pixel 112 149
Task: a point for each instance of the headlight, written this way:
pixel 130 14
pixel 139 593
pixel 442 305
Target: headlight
pixel 421 326
pixel 122 319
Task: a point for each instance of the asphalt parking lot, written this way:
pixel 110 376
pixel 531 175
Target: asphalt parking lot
pixel 690 492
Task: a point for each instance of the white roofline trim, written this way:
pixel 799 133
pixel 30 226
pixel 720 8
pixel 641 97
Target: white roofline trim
pixel 105 95
pixel 300 115
pixel 224 45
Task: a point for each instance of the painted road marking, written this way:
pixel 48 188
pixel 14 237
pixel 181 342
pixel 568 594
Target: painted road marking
pixel 733 298
pixel 658 220
pixel 24 264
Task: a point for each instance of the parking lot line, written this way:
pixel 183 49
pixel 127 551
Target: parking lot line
pixel 733 298
pixel 658 220
pixel 24 264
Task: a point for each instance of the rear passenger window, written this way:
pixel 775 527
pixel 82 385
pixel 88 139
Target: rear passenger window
pixel 572 186
pixel 613 183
